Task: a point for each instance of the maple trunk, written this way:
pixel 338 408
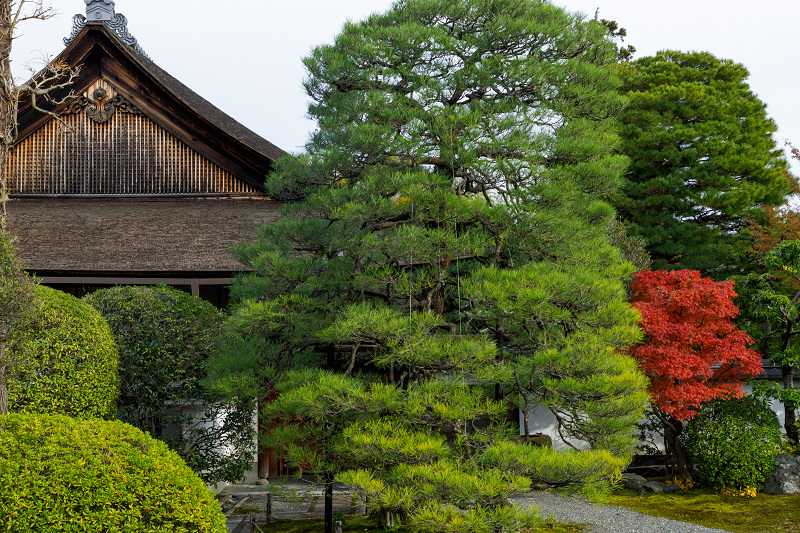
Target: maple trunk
pixel 674 446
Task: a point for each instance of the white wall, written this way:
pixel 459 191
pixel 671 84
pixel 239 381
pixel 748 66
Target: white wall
pixel 541 420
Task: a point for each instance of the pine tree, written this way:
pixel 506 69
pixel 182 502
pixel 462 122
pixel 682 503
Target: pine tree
pixel 445 259
pixel 703 160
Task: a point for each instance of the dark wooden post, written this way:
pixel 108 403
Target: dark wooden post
pixel 263 452
pixel 328 503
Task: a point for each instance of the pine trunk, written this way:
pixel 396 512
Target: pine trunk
pixel 499 333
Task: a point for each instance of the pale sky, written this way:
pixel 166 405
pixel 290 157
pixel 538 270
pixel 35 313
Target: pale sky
pixel 244 56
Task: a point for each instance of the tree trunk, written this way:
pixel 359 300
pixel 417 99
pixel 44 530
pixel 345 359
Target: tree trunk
pixel 674 446
pixel 763 345
pixel 8 96
pixel 389 519
pixel 499 332
pixel 9 102
pixel 790 419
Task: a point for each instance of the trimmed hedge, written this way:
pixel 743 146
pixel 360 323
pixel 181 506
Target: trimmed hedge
pixel 62 474
pixel 68 361
pixel 165 337
pixel 733 443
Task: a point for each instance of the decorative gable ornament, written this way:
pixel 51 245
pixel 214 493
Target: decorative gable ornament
pixel 97 10
pixel 102 12
pixel 100 108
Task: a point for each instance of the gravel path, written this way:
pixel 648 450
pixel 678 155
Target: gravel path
pixel 607 519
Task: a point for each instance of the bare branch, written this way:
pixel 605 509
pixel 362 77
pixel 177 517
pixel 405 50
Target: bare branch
pixel 53 77
pixel 560 420
pixel 352 359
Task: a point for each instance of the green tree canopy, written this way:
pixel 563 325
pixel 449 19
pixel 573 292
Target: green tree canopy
pixel 448 252
pixel 772 316
pixel 702 159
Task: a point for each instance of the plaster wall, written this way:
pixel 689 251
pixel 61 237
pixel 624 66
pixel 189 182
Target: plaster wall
pixel 541 420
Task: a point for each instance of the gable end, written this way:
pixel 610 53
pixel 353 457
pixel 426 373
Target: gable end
pixel 104 145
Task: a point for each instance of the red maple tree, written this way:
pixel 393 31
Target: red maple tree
pixel 693 352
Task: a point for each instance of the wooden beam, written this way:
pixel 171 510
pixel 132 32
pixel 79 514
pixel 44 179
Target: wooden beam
pixel 108 280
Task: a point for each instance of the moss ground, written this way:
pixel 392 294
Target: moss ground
pixel 762 514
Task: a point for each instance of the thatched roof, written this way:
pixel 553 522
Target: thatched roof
pixel 773 372
pixel 208 111
pixel 117 236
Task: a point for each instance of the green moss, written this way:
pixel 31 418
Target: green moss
pixel 62 474
pixel 762 514
pixel 69 361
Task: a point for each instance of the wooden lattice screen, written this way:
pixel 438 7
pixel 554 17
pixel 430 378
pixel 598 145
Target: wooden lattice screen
pixel 113 149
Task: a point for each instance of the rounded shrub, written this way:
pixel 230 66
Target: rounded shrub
pixel 165 337
pixel 733 443
pixel 66 362
pixel 64 474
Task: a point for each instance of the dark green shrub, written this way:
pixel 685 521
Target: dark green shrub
pixel 67 362
pixel 64 474
pixel 165 337
pixel 733 443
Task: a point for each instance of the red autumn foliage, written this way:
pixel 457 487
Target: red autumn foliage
pixel 693 351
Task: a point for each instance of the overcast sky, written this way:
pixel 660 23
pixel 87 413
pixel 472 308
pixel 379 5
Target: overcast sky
pixel 244 56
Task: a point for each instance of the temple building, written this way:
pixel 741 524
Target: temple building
pixel 133 178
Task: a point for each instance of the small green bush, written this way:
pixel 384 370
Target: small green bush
pixel 165 337
pixel 67 361
pixel 733 443
pixel 59 474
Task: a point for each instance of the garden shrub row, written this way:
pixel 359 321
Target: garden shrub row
pixel 165 337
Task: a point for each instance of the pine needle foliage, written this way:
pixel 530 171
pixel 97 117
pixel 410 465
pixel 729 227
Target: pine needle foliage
pixel 444 259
